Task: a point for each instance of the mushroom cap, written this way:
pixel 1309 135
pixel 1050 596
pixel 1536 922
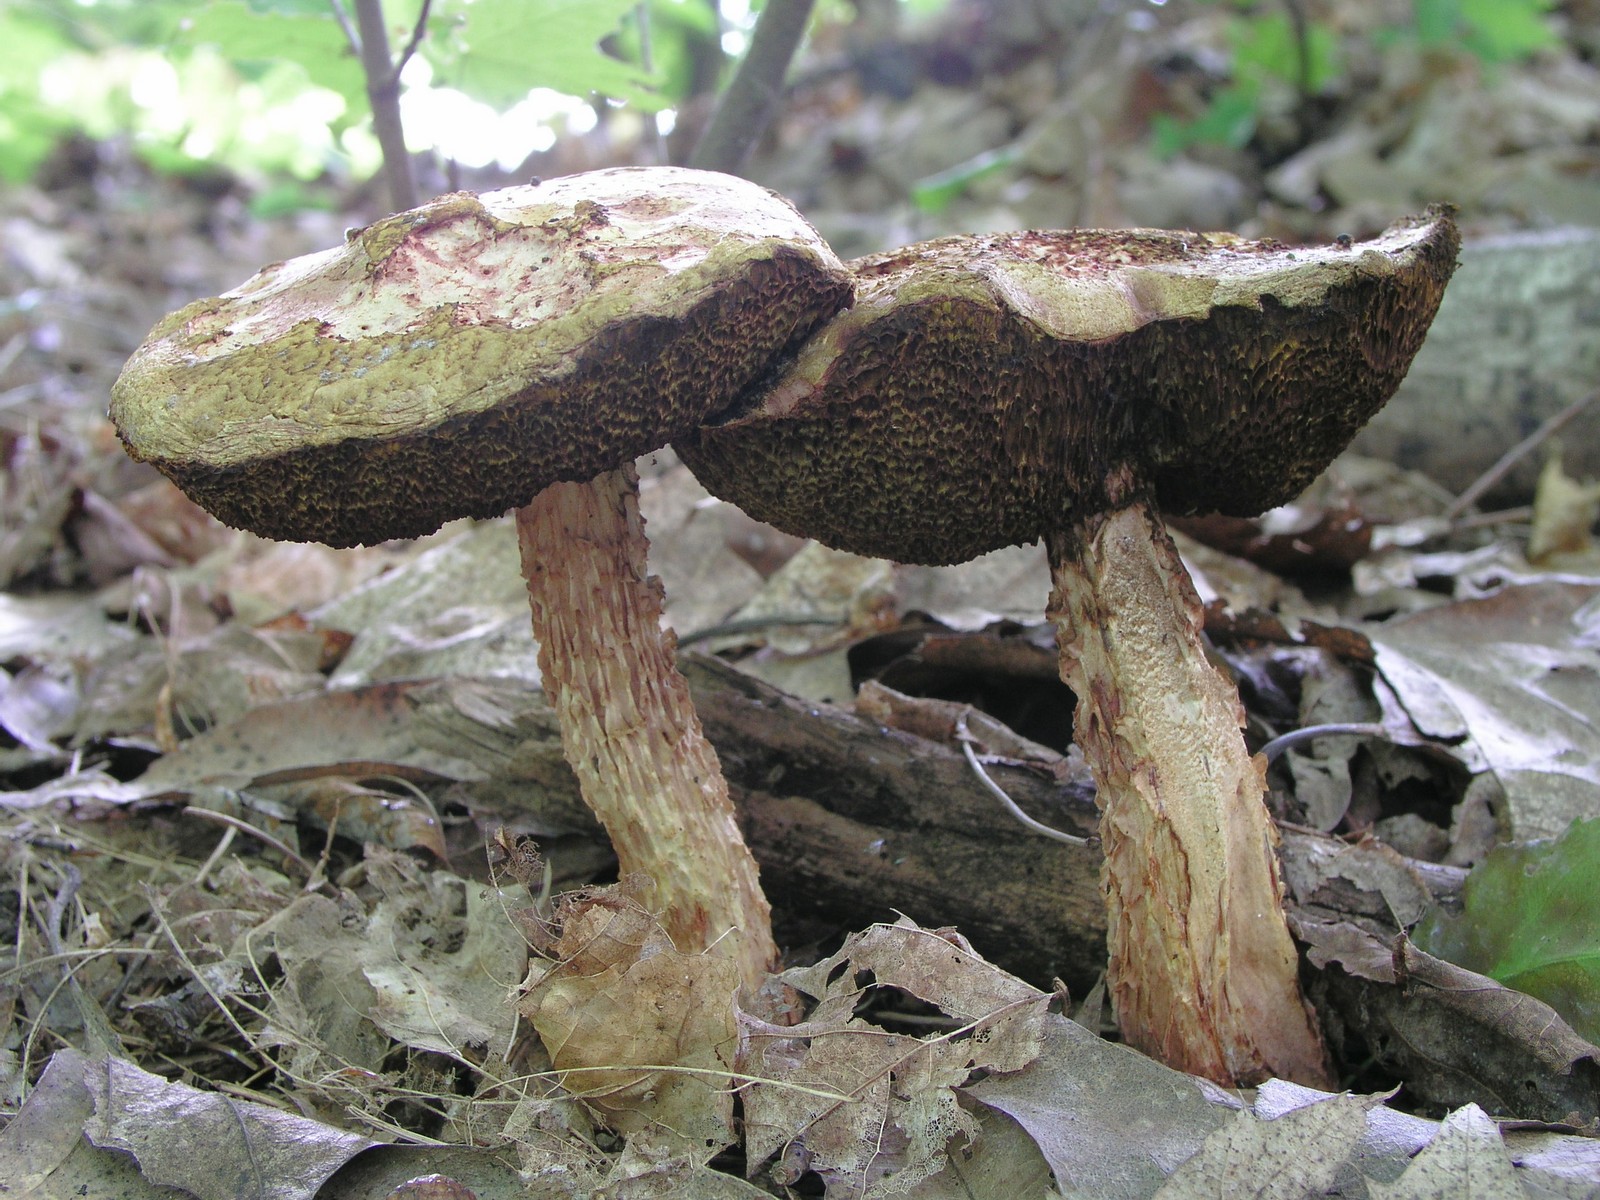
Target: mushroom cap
pixel 982 390
pixel 456 359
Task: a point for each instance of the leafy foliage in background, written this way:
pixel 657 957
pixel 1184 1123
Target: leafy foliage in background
pixel 272 85
pixel 1266 53
pixel 28 127
pixel 495 50
pixel 1531 920
pixel 936 193
pixel 674 26
pixel 1492 30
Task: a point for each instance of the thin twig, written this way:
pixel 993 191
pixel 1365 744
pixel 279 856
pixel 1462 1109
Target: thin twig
pixel 343 18
pixel 1301 29
pixel 751 625
pixel 1011 805
pixel 1521 514
pixel 282 847
pixel 751 100
pixel 417 32
pixel 1516 454
pixel 1295 737
pixel 647 60
pixel 383 96
pixel 101 1038
pixel 217 852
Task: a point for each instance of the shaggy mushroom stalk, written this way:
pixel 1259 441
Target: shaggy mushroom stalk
pixel 629 728
pixel 516 351
pixel 1203 973
pixel 1071 385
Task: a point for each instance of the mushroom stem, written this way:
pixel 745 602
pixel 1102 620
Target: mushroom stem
pixel 1203 973
pixel 628 726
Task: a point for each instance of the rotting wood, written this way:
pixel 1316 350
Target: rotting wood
pixel 853 821
pixel 850 821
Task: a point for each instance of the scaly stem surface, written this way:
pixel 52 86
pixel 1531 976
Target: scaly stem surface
pixel 628 727
pixel 1203 973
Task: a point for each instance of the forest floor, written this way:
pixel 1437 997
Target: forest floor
pixel 247 852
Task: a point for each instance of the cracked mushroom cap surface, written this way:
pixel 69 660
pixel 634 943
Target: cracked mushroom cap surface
pixel 456 359
pixel 982 389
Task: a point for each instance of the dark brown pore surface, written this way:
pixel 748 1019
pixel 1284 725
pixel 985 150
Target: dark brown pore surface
pixel 635 387
pixel 949 427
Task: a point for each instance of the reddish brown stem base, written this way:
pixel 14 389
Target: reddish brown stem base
pixel 628 726
pixel 1203 973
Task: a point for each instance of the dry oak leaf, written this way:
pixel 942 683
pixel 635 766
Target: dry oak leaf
pixel 898 1111
pixel 618 1006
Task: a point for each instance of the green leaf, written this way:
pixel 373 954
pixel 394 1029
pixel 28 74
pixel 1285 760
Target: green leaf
pixel 1168 136
pixel 1531 920
pixel 693 14
pixel 504 48
pixel 1267 45
pixel 28 134
pixel 677 29
pixel 1435 20
pixel 286 199
pixel 934 194
pixel 314 43
pixel 28 129
pixel 110 22
pixel 290 8
pixel 1507 30
pixel 1494 30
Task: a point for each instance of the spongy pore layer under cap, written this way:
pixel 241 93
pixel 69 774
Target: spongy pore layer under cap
pixel 456 359
pixel 981 390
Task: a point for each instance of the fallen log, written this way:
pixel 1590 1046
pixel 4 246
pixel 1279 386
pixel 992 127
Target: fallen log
pixel 850 820
pixel 853 820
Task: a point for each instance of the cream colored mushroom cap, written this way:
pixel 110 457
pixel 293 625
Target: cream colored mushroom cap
pixel 456 359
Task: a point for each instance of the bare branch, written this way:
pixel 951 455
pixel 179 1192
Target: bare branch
pixel 418 31
pixel 383 94
pixel 751 99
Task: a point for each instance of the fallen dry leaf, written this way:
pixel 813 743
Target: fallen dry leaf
pixel 1524 704
pixel 1564 515
pixel 1295 1155
pixel 618 1006
pixel 1467 1158
pixel 210 1145
pixel 1455 1037
pixel 899 1115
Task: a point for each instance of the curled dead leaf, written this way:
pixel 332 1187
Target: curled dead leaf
pixel 640 1031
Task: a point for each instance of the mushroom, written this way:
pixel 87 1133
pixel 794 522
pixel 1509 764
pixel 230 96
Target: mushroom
pixel 988 391
pixel 516 350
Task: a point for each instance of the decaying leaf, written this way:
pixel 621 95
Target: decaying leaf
pixel 871 1111
pixel 1524 704
pixel 1455 1037
pixel 1112 1123
pixel 209 1143
pixel 618 1007
pixel 431 967
pixel 1564 514
pixel 1296 1155
pixel 1466 1159
pixel 364 732
pixel 417 621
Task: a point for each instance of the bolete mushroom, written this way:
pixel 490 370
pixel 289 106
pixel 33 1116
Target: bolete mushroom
pixel 516 350
pixel 987 391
